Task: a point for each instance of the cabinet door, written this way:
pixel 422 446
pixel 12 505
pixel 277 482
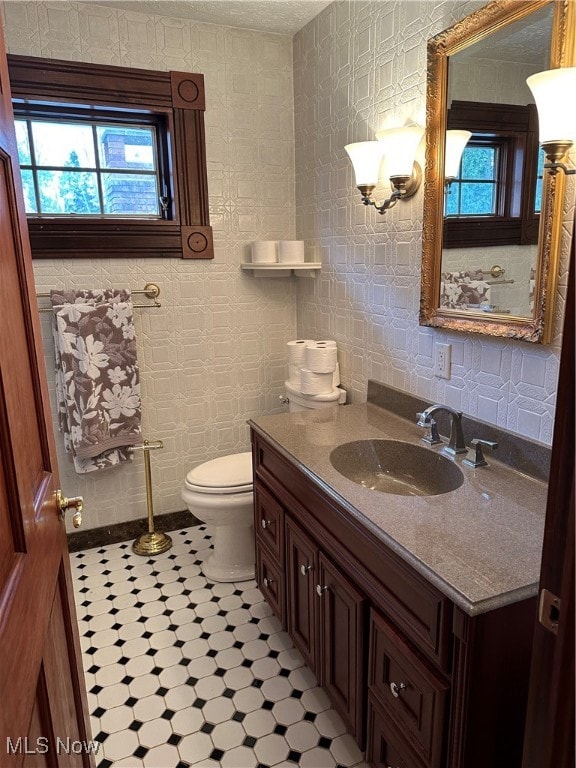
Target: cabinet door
pixel 342 612
pixel 301 576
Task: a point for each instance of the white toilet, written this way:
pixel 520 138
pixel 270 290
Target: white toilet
pixel 220 493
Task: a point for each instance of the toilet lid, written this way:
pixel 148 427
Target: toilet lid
pixel 227 474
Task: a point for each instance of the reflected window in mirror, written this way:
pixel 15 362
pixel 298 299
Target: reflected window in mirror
pixel 497 178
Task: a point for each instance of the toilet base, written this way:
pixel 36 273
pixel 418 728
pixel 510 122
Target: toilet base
pixel 233 556
pixel 215 572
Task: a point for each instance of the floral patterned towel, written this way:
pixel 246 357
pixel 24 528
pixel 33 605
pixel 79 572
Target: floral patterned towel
pixel 459 290
pixel 97 380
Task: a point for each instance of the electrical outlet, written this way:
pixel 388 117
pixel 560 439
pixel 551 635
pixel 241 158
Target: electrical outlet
pixel 442 360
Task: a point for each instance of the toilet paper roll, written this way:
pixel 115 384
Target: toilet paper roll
pixel 320 358
pixel 296 351
pixel 314 383
pixel 294 376
pixel 291 251
pixel 336 376
pixel 265 252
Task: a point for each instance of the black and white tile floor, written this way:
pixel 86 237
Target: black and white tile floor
pixel 181 672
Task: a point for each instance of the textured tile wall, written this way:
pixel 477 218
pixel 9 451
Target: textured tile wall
pixel 357 66
pixel 214 354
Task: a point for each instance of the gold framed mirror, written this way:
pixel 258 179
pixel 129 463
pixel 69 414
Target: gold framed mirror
pixel 492 236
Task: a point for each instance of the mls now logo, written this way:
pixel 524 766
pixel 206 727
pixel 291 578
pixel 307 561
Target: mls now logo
pixel 40 746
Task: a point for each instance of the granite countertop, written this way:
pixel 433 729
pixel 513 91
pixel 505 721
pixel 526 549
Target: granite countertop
pixel 480 545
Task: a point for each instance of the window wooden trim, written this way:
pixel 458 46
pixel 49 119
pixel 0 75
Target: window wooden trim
pixel 517 223
pixel 180 98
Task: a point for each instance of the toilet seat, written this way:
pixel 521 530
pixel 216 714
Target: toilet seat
pixel 225 475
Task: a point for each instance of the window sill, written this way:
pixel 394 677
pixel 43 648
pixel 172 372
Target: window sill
pixel 102 238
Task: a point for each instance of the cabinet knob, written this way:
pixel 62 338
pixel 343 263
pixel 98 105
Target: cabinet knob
pixel 267 582
pixel 266 524
pixel 320 589
pixel 304 569
pixel 396 688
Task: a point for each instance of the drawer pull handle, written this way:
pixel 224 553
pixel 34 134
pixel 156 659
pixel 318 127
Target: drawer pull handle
pixel 396 688
pixel 320 589
pixel 304 569
pixel 267 582
pixel 266 524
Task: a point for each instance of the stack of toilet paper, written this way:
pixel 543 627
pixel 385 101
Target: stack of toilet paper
pixel 313 366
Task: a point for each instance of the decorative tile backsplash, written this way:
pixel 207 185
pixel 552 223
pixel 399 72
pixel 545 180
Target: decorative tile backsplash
pixel 214 354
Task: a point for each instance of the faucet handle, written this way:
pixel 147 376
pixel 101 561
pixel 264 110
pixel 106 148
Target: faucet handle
pixel 431 437
pixel 475 457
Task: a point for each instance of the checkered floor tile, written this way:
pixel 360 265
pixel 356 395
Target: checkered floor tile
pixel 182 672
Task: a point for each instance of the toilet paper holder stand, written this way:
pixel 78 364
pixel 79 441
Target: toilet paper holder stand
pixel 152 542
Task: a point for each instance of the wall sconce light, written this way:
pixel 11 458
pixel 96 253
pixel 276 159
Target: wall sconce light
pixel 553 92
pixel 455 143
pixel 400 146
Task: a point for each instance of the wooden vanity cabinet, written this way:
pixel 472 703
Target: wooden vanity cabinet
pixel 326 620
pixel 418 681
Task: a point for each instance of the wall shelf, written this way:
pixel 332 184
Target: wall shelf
pixel 302 269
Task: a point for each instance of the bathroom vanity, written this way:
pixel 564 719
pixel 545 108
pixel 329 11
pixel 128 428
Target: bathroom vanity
pixel 416 613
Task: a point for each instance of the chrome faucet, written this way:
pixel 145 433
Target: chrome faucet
pixel 456 443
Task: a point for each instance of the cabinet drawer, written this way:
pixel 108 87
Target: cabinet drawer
pixel 270 579
pixel 269 521
pixel 410 692
pixel 385 748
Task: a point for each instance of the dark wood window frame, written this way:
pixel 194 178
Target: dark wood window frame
pixel 516 222
pixel 178 99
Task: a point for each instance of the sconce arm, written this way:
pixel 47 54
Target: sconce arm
pixel 386 205
pixel 403 188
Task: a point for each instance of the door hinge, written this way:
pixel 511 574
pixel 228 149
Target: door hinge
pixel 549 611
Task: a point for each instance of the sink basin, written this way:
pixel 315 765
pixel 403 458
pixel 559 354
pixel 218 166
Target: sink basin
pixel 391 466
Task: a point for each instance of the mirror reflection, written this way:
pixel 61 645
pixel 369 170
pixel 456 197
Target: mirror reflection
pixel 493 194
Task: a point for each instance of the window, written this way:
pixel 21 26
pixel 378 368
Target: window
pixel 112 159
pixel 88 168
pixel 476 189
pixel 499 182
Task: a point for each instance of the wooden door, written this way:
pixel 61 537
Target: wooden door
pixel 43 717
pixel 301 580
pixel 342 622
pixel 549 739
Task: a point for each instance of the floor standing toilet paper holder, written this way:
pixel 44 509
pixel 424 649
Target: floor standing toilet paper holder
pixel 152 542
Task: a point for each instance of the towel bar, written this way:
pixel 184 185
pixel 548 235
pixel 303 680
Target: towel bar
pixel 150 290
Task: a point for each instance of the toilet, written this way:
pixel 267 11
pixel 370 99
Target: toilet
pixel 220 493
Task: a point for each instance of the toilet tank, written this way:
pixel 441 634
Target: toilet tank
pixel 299 402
